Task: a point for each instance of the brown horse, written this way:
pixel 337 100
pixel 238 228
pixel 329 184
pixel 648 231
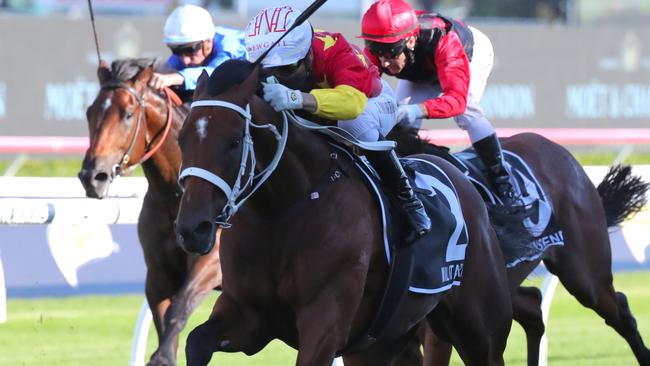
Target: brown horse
pixel 309 269
pixel 130 124
pixel 583 263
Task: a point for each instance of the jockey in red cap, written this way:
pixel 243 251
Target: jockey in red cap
pixel 443 66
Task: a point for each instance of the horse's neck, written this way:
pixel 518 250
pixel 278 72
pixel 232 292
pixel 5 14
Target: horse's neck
pixel 162 168
pixel 304 162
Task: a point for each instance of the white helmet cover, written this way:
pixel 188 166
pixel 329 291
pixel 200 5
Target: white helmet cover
pixel 268 26
pixel 187 24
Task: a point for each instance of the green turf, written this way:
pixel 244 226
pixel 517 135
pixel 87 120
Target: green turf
pixel 97 331
pixel 40 167
pixel 69 167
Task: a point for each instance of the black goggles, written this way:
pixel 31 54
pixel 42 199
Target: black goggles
pixel 386 50
pixel 286 69
pixel 186 49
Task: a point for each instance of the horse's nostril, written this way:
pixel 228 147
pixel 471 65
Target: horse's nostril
pixel 204 229
pixel 101 177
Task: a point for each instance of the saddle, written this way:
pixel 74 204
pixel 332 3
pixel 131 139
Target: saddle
pixel 523 236
pixel 431 265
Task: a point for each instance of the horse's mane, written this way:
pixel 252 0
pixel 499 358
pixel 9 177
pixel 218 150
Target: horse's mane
pixel 410 143
pixel 128 68
pixel 230 73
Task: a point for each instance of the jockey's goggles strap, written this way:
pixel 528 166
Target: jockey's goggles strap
pixel 220 103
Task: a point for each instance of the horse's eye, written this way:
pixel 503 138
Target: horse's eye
pixel 129 115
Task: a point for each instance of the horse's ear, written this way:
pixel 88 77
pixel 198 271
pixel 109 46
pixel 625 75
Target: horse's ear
pixel 250 84
pixel 103 72
pixel 201 83
pixel 144 76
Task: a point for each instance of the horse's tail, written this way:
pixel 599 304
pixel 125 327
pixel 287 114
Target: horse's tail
pixel 622 194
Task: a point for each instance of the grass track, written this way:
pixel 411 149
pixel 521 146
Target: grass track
pixel 97 331
pixel 69 167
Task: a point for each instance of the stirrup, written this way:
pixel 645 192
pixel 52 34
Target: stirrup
pixel 507 194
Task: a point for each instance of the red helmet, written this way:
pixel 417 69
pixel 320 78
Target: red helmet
pixel 389 21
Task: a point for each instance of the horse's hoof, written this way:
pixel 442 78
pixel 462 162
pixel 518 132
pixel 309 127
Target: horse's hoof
pixel 159 360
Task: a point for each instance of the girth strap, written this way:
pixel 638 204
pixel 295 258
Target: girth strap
pixel 399 278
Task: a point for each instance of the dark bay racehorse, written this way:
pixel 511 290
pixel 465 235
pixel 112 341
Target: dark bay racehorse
pixel 310 270
pixel 130 124
pixel 583 263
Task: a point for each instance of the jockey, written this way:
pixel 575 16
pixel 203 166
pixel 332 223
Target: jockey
pixel 434 57
pixel 321 73
pixel 196 45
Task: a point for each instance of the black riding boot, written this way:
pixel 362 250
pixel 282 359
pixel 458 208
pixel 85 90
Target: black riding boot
pixel 489 151
pixel 392 174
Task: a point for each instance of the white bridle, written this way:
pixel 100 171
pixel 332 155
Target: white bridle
pixel 234 201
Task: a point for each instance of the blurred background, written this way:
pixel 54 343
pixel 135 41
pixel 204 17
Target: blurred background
pixel 577 71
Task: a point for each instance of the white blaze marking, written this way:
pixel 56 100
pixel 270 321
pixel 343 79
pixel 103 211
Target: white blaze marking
pixel 106 105
pixel 201 126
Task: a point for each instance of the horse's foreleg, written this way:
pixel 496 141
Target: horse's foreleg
pixel 232 327
pixel 437 352
pixel 203 276
pixel 321 331
pixel 159 291
pixel 324 323
pixel 404 351
pixel 526 306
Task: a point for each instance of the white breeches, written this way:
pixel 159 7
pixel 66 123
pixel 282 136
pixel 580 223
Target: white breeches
pixel 377 119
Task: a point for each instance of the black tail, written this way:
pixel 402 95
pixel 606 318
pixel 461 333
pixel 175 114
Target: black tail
pixel 622 194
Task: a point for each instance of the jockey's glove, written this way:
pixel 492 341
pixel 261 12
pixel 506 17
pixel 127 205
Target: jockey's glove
pixel 282 98
pixel 409 115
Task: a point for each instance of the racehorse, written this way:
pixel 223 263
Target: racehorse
pixel 307 263
pixel 130 124
pixel 583 264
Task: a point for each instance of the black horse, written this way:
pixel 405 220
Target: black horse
pixel 307 268
pixel 584 213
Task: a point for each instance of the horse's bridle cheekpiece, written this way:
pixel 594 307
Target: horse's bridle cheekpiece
pixel 123 165
pixel 252 181
pixel 112 85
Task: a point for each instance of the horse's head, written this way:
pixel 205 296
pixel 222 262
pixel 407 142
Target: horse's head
pixel 118 123
pixel 217 157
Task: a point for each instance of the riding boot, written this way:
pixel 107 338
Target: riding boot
pixel 392 174
pixel 489 151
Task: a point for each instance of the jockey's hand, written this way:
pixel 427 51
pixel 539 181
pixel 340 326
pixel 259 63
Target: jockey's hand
pixel 159 81
pixel 282 98
pixel 409 114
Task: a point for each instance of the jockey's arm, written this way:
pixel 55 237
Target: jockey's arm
pixel 159 81
pixel 342 102
pixel 454 77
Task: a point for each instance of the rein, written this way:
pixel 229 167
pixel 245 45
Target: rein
pixel 234 193
pixel 172 99
pixel 234 201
